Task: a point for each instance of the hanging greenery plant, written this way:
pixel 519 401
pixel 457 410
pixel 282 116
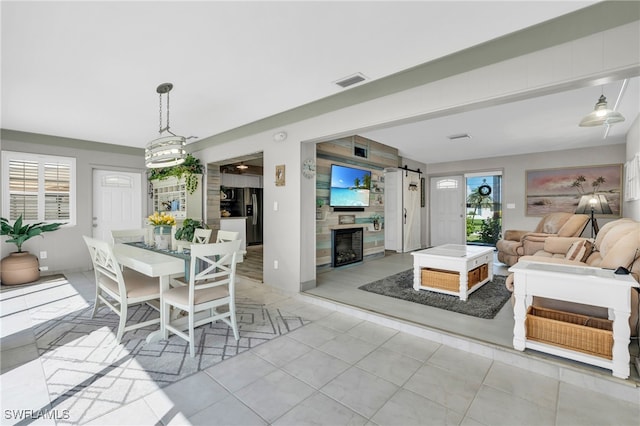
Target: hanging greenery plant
pixel 189 169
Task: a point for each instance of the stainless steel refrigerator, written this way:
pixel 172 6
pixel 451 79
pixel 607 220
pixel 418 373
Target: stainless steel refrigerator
pixel 252 199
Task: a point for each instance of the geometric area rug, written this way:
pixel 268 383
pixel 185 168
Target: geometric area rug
pixel 485 302
pixel 88 375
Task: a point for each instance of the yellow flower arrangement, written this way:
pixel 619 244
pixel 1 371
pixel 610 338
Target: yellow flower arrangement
pixel 161 219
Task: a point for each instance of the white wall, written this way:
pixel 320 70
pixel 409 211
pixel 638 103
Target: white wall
pixel 632 208
pixel 65 247
pixel 583 60
pixel 513 178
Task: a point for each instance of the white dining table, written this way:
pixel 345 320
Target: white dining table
pixel 153 264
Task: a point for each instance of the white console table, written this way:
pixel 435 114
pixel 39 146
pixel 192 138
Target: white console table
pixel 591 286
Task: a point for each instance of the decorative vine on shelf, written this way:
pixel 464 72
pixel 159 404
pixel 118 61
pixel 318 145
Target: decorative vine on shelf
pixel 189 169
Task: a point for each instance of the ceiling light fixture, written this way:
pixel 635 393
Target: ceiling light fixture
pixel 168 150
pixel 242 166
pixel 601 115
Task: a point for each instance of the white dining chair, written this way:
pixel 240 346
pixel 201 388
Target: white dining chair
pixel 119 289
pixel 224 236
pixel 201 236
pixel 211 285
pixel 128 235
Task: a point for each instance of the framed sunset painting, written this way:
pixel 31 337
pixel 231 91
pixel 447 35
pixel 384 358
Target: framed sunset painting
pixel 561 190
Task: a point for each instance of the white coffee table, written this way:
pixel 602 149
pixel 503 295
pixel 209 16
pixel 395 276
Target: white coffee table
pixel 454 258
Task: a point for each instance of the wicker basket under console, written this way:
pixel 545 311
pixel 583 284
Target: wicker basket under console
pixel 593 336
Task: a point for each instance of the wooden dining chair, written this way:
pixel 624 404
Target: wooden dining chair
pixel 119 289
pixel 201 236
pixel 208 288
pixel 128 235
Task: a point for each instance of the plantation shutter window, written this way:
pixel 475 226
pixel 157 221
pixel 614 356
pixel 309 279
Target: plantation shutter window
pixel 40 187
pixel 57 179
pixel 23 189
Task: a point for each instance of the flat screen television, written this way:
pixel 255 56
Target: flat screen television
pixel 349 187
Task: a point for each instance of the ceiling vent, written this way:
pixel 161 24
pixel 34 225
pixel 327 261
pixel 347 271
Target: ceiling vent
pixel 459 136
pixel 351 80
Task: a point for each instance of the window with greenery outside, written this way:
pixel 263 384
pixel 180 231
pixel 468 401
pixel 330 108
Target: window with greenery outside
pixel 482 230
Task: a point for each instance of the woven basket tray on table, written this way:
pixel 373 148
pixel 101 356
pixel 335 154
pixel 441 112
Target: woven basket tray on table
pixel 593 336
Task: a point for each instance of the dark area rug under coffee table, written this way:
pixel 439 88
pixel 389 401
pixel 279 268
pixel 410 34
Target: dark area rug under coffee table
pixel 485 302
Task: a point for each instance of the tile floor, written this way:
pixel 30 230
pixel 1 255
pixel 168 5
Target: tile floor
pixel 346 367
pixel 341 285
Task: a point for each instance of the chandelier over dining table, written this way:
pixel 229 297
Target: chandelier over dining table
pixel 169 149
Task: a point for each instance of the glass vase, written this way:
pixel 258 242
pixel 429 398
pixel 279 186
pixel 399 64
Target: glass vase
pixel 162 236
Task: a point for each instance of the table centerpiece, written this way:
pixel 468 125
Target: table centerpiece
pixel 162 229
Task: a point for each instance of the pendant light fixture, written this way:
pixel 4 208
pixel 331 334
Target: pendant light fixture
pixel 601 115
pixel 167 150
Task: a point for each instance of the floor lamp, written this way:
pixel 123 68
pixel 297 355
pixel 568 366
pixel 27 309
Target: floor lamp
pixel 593 204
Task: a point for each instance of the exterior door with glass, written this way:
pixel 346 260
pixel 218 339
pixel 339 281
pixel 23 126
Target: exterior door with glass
pixel 117 202
pixel 447 216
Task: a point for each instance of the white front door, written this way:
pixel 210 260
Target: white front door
pixel 447 207
pixel 411 211
pixel 117 202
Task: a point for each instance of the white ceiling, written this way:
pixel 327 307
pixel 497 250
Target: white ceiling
pixel 89 70
pixel 540 124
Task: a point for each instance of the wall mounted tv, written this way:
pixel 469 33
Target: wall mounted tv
pixel 349 187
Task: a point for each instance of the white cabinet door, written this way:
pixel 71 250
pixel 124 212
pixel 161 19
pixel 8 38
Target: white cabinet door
pixel 241 181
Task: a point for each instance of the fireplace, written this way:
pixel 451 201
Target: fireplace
pixel 346 246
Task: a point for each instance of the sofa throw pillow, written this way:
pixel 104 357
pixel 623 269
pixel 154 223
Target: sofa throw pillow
pixel 579 251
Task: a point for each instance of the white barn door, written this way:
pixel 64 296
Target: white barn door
pixel 411 210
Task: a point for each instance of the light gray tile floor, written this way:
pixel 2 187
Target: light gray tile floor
pixel 338 370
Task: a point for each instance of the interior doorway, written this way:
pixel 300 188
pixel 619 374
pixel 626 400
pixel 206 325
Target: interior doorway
pixel 235 203
pixel 483 208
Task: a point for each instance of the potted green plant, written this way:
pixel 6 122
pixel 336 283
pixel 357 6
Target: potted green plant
pixel 189 169
pixel 22 267
pixel 189 226
pixel 375 219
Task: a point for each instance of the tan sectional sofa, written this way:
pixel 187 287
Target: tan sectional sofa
pixel 517 243
pixel 617 244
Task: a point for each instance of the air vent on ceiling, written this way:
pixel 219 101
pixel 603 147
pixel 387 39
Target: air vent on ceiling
pixel 459 136
pixel 351 80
